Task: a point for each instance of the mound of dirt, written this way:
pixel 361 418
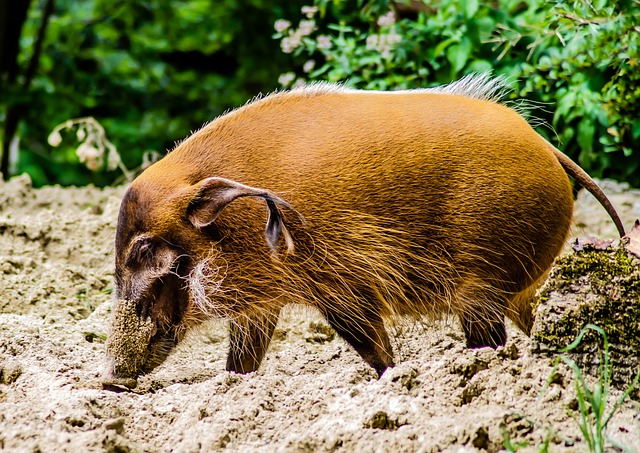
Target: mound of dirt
pixel 313 393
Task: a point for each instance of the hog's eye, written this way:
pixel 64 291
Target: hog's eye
pixel 145 251
pixel 154 255
pixel 141 252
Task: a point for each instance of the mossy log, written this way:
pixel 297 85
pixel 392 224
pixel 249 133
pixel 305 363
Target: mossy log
pixel 599 284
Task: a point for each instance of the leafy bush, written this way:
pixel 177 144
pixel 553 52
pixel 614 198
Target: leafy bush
pixel 388 46
pixel 586 61
pixel 149 72
pixel 579 60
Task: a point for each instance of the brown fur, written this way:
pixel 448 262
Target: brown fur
pixel 415 203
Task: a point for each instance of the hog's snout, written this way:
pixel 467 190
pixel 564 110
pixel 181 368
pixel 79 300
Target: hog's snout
pixel 110 379
pixel 128 344
pixel 136 345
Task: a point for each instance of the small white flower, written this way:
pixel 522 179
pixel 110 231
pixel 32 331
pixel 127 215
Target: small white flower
pixel 306 27
pixel 81 134
pixel 290 43
pixel 387 42
pixel 309 11
pixel 324 42
pixel 309 65
pixel 298 84
pixel 372 42
pixel 281 25
pixel 86 152
pixel 113 158
pixel 90 156
pixel 54 138
pixel 387 19
pixel 394 38
pixel 94 164
pixel 286 78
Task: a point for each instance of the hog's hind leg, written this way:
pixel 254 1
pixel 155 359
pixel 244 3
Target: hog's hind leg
pixel 481 311
pixel 483 329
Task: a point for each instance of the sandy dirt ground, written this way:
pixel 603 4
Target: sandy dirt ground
pixel 312 394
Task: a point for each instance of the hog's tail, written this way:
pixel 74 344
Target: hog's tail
pixel 585 181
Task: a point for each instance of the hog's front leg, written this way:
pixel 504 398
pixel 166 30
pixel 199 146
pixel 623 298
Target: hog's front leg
pixel 364 331
pixel 249 338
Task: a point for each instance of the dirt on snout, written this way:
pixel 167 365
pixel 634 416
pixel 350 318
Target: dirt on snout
pixel 312 394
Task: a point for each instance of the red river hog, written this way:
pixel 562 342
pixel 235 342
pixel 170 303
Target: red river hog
pixel 364 205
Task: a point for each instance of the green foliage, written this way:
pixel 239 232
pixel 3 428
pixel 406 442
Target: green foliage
pixel 585 59
pixel 594 408
pixel 579 58
pixel 592 416
pixel 386 46
pixel 149 72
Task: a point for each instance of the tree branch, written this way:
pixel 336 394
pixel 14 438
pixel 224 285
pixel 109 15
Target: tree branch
pixel 37 49
pixel 14 112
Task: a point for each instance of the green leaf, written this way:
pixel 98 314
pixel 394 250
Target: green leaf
pixel 442 45
pixel 635 130
pixel 470 7
pixel 480 66
pixel 586 132
pixel 566 103
pixel 458 55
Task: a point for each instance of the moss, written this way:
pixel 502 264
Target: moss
pixel 599 266
pixel 597 287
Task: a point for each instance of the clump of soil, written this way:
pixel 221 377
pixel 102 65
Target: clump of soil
pixel 313 392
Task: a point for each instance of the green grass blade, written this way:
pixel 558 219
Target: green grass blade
pixel 620 446
pixel 624 396
pixel 584 330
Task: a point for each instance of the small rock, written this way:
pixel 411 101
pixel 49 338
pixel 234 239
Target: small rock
pixel 508 352
pixel 380 420
pixel 115 424
pixel 517 425
pixel 9 373
pixel 224 440
pixel 553 394
pixel 481 438
pixel 469 393
pixel 526 385
pixel 405 375
pixel 468 367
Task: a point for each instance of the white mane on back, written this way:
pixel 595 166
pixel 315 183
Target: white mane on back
pixel 475 86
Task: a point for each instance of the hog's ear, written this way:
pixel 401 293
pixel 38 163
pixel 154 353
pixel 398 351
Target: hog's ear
pixel 214 194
